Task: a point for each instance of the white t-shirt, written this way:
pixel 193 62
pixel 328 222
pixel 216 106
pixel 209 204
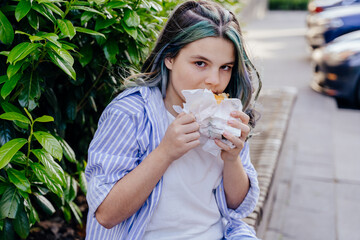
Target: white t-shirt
pixel 187 208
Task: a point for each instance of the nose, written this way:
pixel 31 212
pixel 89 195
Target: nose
pixel 213 78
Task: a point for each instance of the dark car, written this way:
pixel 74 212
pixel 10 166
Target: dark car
pixel 316 6
pixel 330 24
pixel 337 69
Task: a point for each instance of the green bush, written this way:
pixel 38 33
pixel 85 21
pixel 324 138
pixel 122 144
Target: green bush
pixel 288 4
pixel 60 64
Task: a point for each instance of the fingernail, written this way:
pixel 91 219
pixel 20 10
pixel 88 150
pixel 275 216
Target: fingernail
pixel 231 122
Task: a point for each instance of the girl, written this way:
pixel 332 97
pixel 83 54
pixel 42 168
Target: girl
pixel 148 177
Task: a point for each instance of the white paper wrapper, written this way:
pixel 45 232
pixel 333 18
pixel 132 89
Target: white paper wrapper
pixel 211 116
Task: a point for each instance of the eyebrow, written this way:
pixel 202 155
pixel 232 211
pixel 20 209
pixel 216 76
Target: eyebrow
pixel 208 60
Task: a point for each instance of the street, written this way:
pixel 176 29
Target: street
pixel 316 190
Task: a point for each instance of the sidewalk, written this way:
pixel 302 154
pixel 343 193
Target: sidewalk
pixel 316 187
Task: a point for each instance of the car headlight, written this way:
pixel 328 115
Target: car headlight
pixel 336 58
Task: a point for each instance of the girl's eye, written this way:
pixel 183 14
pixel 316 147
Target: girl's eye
pixel 200 64
pixel 226 68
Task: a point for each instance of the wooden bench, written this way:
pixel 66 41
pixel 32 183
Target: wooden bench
pixel 275 107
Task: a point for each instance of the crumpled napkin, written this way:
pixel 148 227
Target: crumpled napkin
pixel 211 116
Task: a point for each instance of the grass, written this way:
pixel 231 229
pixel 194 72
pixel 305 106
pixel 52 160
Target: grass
pixel 288 4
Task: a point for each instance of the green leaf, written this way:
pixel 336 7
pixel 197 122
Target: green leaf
pixel 132 31
pixel 67 150
pixel 88 31
pixel 31 92
pixel 43 176
pixel 8 231
pixel 9 85
pixel 13 69
pixel 116 4
pixel 83 182
pixel 33 19
pixel 8 107
pixel 66 27
pixel 22 9
pixel 61 63
pixel 21 223
pixel 111 49
pixel 54 9
pixel 19 158
pixel 44 203
pixel 52 168
pixel 14 116
pixel 71 188
pixel 85 17
pixel 49 143
pixel 33 215
pixel 76 211
pixel 7 132
pixel 131 18
pixel 104 23
pixel 67 212
pixel 52 37
pixel 8 150
pixel 44 118
pixel 3 79
pixel 21 51
pixel 9 203
pixel 3 187
pixel 133 53
pixel 86 54
pixel 44 11
pixel 6 30
pixel 88 9
pixel 19 179
pixel 5 53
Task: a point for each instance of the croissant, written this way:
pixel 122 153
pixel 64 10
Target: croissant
pixel 221 96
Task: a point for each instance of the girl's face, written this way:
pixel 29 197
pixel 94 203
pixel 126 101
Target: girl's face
pixel 205 63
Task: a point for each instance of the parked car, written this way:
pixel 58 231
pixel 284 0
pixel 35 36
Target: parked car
pixel 337 69
pixel 330 24
pixel 316 6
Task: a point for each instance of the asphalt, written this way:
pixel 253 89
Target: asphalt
pixel 315 186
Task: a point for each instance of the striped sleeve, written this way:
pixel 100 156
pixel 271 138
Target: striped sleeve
pixel 113 153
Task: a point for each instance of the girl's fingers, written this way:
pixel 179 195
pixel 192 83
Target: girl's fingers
pixel 240 115
pixel 192 136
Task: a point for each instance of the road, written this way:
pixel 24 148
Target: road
pixel 316 190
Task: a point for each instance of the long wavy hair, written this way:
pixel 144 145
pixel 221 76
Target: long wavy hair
pixel 191 21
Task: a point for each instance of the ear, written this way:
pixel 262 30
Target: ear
pixel 169 63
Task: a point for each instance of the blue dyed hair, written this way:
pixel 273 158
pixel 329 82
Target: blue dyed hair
pixel 191 21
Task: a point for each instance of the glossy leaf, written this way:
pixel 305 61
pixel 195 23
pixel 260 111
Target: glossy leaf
pixel 8 150
pixel 66 27
pixel 13 69
pixel 9 85
pixel 67 150
pixel 21 223
pixel 51 6
pixel 30 93
pixel 67 213
pixel 45 204
pixel 19 158
pixel 71 188
pixel 83 182
pixel 43 176
pixel 111 49
pixel 33 215
pixel 104 23
pixel 6 30
pixel 116 4
pixel 76 211
pixel 6 132
pixel 8 107
pixel 3 79
pixel 132 31
pixel 63 64
pixel 52 37
pixel 44 118
pixel 133 53
pixel 33 19
pixel 9 203
pixel 49 143
pixel 19 179
pixel 44 11
pixel 21 51
pixel 131 18
pixel 88 9
pixel 88 31
pixel 14 116
pixel 22 8
pixel 53 169
pixel 85 17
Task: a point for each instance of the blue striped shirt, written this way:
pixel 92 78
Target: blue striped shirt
pixel 131 127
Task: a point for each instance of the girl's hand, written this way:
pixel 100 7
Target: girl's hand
pixel 181 136
pixel 241 122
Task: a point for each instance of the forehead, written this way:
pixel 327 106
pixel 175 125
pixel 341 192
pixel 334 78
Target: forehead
pixel 216 49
